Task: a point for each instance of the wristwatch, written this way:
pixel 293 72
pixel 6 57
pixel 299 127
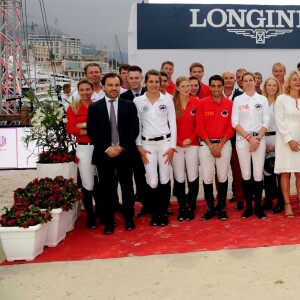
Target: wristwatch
pixel 211 148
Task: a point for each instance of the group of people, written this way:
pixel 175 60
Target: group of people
pixel 127 126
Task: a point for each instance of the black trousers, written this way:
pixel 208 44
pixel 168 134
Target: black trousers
pixel 110 171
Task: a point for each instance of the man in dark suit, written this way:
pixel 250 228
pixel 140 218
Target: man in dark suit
pixel 230 92
pixel 113 126
pixel 135 79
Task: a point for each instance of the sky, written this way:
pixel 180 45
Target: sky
pixel 98 21
pixel 94 21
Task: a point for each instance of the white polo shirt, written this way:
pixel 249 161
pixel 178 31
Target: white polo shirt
pixel 251 112
pixel 156 119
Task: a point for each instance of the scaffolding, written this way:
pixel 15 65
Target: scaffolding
pixel 11 56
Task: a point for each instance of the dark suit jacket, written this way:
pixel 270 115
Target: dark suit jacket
pixel 129 95
pixel 236 93
pixel 99 129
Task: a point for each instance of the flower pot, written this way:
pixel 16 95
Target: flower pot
pixel 70 216
pixel 78 205
pixel 67 170
pixel 57 227
pixel 23 243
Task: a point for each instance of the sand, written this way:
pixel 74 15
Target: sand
pixel 261 273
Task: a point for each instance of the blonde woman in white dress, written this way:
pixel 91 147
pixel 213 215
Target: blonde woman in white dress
pixel 287 119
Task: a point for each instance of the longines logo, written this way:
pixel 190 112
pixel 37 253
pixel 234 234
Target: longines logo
pixel 257 24
pixel 2 141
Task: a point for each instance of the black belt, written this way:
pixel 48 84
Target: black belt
pixel 270 133
pixel 158 138
pixel 80 143
pixel 215 141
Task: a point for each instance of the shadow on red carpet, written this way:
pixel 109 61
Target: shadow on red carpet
pixel 178 237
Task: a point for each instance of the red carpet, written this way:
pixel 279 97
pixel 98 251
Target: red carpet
pixel 178 237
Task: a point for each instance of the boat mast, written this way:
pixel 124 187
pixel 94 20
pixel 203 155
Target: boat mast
pixel 11 53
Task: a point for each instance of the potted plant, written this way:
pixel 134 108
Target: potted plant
pixel 23 231
pixel 61 195
pixel 48 132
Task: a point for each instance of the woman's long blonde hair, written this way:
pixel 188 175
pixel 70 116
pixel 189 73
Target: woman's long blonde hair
pixel 176 96
pixel 77 104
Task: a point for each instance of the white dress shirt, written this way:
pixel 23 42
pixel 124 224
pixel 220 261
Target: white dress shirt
pixel 251 112
pixel 156 119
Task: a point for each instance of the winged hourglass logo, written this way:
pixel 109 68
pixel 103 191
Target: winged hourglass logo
pixel 260 35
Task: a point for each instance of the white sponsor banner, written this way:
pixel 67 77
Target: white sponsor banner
pixel 13 153
pixel 8 150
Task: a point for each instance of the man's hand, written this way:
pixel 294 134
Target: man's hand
pixel 186 143
pixel 216 152
pixel 114 151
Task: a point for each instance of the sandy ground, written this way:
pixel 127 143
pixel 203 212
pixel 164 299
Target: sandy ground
pixel 261 273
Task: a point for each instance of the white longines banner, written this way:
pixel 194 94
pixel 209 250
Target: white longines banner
pixel 13 154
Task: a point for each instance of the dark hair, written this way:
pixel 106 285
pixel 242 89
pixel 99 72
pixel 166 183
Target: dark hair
pixel 84 80
pixel 196 78
pixel 194 65
pixel 111 75
pixel 66 85
pixel 168 62
pixel 217 78
pixel 298 65
pixel 164 74
pixel 151 72
pixel 135 69
pixel 124 67
pixel 91 65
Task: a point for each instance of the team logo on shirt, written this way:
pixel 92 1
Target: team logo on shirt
pixel 258 106
pixel 162 107
pixel 224 113
pixel 209 113
pixel 145 108
pixel 193 111
pixel 244 107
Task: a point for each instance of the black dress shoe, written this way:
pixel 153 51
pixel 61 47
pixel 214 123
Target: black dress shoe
pixel 129 226
pixel 91 223
pixel 239 206
pixel 208 215
pixel 155 220
pixel 164 220
pixel 142 212
pixel 109 229
pixel 278 209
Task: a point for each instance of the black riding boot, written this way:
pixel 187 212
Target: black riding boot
pixel 209 197
pixel 154 195
pixel 165 195
pixel 247 189
pixel 88 205
pixel 223 187
pixel 270 192
pixel 180 194
pixel 279 207
pixel 258 188
pixel 191 198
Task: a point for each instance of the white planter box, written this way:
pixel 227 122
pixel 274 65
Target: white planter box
pixel 57 227
pixel 67 170
pixel 70 215
pixel 23 243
